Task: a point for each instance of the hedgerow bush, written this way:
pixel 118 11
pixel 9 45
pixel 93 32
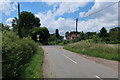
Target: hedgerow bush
pixel 16 53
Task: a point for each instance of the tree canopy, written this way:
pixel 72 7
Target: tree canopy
pixel 103 33
pixel 44 34
pixel 26 22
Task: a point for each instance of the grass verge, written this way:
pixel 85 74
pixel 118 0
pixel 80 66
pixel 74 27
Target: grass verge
pixel 94 49
pixel 34 68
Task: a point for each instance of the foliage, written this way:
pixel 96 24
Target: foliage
pixel 114 35
pixel 44 34
pixel 66 34
pixel 15 25
pixel 25 23
pixel 57 33
pixel 90 35
pixel 33 69
pixel 102 50
pixel 103 33
pixel 16 53
pixel 4 27
pixel 1 24
pixel 55 38
pixel 82 36
pixel 73 40
pixel 65 41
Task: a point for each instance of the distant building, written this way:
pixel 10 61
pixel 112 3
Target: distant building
pixel 72 35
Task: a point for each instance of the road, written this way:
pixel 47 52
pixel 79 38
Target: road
pixel 60 63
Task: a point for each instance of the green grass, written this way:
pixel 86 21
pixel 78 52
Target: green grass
pixel 34 68
pixel 101 50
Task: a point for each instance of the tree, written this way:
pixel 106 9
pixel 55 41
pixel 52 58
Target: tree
pixel 82 37
pixel 103 33
pixel 44 34
pixel 55 38
pixel 52 39
pixel 66 35
pixel 114 34
pixel 15 24
pixel 1 25
pixel 89 35
pixel 4 27
pixel 26 22
pixel 57 33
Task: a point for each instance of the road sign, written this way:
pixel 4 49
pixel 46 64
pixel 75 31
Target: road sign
pixel 38 35
pixel 38 39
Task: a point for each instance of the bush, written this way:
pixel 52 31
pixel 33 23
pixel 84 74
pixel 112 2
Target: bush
pixel 65 41
pixel 16 53
pixel 73 40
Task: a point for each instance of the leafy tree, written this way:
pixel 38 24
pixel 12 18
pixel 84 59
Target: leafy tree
pixel 61 37
pixel 15 25
pixel 81 36
pixel 96 38
pixel 44 34
pixel 55 38
pixel 1 25
pixel 66 35
pixel 57 33
pixel 6 27
pixel 89 35
pixel 103 33
pixel 26 22
pixel 52 39
pixel 114 34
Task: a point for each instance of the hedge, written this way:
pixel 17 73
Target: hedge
pixel 16 53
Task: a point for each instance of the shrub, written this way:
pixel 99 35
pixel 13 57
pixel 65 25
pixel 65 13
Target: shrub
pixel 16 53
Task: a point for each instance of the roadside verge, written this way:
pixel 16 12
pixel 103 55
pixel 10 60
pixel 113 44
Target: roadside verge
pixel 34 68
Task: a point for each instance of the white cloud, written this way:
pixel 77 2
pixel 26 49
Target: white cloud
pixel 81 14
pixel 78 0
pixel 6 7
pixel 63 0
pixel 94 25
pixel 66 7
pixel 102 9
pixel 8 21
pixel 69 7
pixel 49 21
pixel 107 18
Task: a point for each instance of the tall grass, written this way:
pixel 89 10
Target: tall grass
pixel 95 49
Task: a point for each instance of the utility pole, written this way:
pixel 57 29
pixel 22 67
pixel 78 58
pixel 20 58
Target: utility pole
pixel 19 31
pixel 76 28
pixel 18 10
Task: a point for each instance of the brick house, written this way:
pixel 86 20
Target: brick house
pixel 72 35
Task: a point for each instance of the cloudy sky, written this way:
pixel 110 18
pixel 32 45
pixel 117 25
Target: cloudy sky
pixel 62 14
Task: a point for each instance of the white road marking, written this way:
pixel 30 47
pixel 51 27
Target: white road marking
pixel 98 77
pixel 69 58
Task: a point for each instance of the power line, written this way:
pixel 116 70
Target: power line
pixel 100 10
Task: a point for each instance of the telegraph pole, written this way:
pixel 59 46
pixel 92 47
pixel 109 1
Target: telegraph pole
pixel 19 31
pixel 18 10
pixel 76 28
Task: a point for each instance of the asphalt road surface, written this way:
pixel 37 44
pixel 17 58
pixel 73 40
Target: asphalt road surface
pixel 60 63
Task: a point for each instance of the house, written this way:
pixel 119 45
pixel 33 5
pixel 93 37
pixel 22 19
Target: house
pixel 72 35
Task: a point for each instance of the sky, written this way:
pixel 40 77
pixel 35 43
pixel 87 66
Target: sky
pixel 55 14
